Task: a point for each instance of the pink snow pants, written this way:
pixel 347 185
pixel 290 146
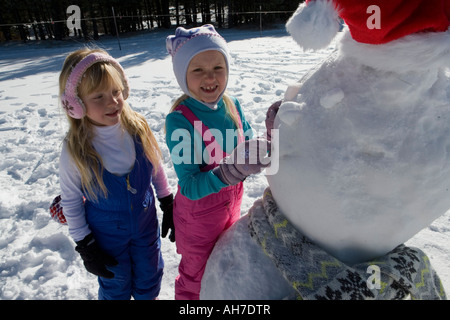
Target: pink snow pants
pixel 199 223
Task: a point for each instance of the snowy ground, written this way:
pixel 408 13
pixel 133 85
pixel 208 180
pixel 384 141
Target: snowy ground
pixel 37 257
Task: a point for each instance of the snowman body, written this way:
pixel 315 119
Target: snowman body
pixel 364 161
pixel 238 269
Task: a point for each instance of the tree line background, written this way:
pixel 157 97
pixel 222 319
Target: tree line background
pixel 47 19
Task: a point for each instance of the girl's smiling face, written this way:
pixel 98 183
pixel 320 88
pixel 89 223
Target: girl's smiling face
pixel 101 92
pixel 103 107
pixel 207 76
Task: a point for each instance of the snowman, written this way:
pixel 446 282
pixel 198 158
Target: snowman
pixel 364 162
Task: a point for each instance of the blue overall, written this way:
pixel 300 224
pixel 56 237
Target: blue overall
pixel 125 225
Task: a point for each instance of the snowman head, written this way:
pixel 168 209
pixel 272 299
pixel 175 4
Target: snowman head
pixel 316 22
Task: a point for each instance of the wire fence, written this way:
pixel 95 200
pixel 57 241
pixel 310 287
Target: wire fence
pixel 93 27
pixel 154 16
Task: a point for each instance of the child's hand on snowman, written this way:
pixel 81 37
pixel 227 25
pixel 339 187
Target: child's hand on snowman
pixel 249 157
pixel 270 117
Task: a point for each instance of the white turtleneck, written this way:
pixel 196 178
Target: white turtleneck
pixel 116 148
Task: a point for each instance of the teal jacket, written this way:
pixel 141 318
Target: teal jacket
pixel 187 148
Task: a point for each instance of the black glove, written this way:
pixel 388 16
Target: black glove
pixel 166 205
pixel 95 259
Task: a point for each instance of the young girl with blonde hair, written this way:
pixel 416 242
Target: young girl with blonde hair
pixel 209 141
pixel 109 162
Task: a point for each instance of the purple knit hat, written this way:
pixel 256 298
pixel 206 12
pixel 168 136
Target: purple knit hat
pixel 70 100
pixel 187 43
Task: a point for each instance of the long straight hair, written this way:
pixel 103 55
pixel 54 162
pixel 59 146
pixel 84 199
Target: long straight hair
pixel 80 134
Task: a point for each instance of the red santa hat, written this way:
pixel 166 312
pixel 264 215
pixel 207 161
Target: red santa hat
pixel 316 22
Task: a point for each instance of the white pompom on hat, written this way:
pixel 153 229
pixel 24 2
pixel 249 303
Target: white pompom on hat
pixel 314 24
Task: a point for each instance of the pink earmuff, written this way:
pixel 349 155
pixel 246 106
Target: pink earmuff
pixel 70 100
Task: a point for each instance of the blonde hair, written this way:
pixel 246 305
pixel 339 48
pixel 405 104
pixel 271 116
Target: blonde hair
pixel 230 108
pixel 80 134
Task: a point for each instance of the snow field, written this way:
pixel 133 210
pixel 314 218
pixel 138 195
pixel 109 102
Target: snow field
pixel 37 257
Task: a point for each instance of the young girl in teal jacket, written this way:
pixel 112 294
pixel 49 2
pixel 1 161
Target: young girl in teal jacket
pixel 208 138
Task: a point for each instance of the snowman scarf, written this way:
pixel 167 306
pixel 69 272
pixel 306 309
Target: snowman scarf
pixel 405 272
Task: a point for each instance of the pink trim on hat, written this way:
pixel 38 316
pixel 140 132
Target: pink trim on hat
pixel 70 100
pixel 194 36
